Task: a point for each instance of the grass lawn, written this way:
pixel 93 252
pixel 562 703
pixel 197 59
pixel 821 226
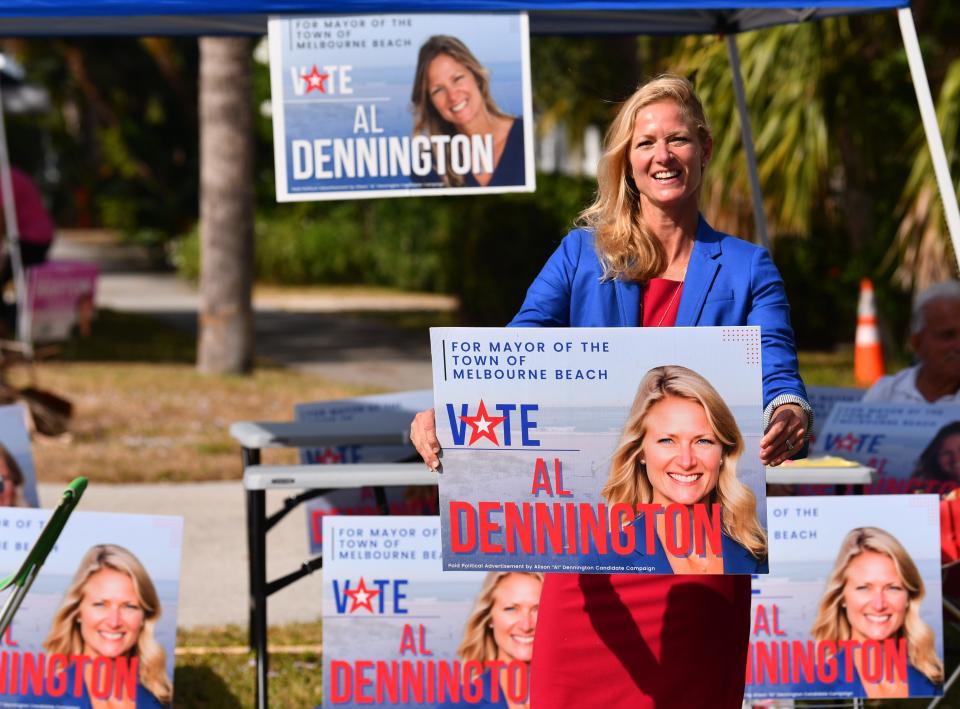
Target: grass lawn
pixel 143 413
pixel 215 671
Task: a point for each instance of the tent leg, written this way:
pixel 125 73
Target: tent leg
pixel 759 218
pixel 948 193
pixel 13 232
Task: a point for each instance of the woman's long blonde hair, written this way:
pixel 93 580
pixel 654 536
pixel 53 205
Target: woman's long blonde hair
pixel 426 119
pixel 478 643
pixel 832 623
pixel 627 481
pixel 627 248
pixel 64 636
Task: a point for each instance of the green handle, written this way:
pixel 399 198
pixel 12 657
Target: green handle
pixel 49 536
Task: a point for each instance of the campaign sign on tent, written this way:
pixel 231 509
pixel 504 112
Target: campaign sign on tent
pixel 559 455
pixel 356 114
pixel 388 414
pixel 60 298
pixel 913 447
pixel 100 621
pixel 396 629
pixel 18 478
pixel 852 604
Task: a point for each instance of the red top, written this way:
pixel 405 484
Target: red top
pixel 661 301
pixel 626 641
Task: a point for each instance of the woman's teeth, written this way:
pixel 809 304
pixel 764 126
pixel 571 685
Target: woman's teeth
pixel 459 107
pixel 666 174
pixel 679 477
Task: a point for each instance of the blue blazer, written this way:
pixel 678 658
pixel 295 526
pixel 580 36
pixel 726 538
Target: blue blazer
pixel 918 684
pixel 729 282
pixel 736 558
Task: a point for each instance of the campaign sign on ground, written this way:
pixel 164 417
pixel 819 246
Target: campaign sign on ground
pixel 852 604
pixel 60 298
pixel 357 114
pixel 100 621
pixel 399 631
pixel 600 449
pixel 379 413
pixel 823 399
pixel 18 478
pixel 913 447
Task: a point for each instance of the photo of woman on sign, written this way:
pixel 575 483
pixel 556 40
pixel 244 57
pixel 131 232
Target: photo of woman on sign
pixel 680 445
pixel 451 97
pixel 11 480
pixel 501 628
pixel 940 460
pixel 109 612
pixel 874 593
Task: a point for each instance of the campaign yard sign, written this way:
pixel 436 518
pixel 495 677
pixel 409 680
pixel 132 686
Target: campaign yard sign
pixel 822 400
pixel 357 114
pixel 852 604
pixel 127 643
pixel 913 447
pixel 60 299
pixel 19 488
pixel 534 423
pixel 393 620
pixel 379 413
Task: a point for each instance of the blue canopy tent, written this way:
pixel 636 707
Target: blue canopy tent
pixel 249 17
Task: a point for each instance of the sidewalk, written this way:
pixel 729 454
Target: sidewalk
pixel 341 334
pixel 213 583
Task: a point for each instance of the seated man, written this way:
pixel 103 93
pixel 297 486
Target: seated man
pixel 935 339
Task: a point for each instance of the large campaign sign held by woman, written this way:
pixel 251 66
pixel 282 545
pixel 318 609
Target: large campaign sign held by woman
pixel 603 450
pixel 401 105
pixel 852 605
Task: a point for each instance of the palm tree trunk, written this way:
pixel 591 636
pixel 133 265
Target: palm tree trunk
pixel 226 207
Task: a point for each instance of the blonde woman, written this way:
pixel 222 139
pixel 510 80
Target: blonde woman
pixel 680 445
pixel 11 480
pixel 110 610
pixel 874 593
pixel 646 256
pixel 501 628
pixel 451 96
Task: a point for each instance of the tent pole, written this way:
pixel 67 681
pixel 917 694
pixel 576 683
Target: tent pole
pixel 948 193
pixel 759 218
pixel 12 230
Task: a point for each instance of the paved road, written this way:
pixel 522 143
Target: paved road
pixel 314 332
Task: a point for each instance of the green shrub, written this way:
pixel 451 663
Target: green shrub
pixel 485 249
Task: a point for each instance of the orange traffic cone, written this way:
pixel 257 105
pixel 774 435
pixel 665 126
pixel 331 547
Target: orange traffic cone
pixel 867 353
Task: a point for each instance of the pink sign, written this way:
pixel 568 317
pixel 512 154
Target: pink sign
pixel 60 296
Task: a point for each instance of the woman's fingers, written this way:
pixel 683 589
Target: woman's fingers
pixel 423 435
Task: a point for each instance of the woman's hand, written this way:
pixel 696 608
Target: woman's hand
pixel 423 435
pixel 785 434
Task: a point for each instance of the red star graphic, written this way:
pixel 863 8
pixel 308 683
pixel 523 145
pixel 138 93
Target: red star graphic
pixel 847 443
pixel 361 596
pixel 315 80
pixel 329 456
pixel 482 425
